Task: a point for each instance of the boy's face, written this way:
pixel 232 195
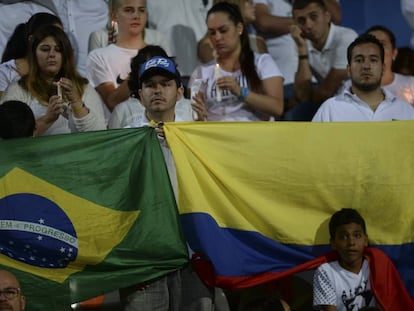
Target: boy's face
pixel 349 241
pixel 313 21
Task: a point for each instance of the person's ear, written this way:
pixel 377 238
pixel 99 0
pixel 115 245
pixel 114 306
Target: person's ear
pixel 23 302
pixel 333 244
pixel 328 16
pixel 180 92
pixel 240 28
pixel 394 54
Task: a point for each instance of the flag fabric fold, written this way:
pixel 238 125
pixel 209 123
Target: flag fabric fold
pixel 255 198
pixel 87 213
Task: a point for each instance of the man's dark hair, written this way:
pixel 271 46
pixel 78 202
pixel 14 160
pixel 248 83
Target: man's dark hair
pixel 385 30
pixel 301 4
pixel 16 120
pixel 364 39
pixel 343 217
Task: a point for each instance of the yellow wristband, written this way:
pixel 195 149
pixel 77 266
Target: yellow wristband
pixel 77 109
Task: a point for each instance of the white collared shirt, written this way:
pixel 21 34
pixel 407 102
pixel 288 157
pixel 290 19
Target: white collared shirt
pixel 348 107
pixel 333 54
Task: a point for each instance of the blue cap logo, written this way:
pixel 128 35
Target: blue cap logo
pixel 158 65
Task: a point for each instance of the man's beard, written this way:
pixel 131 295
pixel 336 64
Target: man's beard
pixel 367 87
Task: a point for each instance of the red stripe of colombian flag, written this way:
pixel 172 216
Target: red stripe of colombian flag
pixel 255 198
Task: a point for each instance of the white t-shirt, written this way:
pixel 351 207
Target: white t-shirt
pixel 230 108
pixel 162 15
pixel 333 54
pixel 402 87
pixel 8 74
pixel 93 121
pixel 335 286
pixel 109 64
pixel 282 48
pixel 347 107
pixel 99 39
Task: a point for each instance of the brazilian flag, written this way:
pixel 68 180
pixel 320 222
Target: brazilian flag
pixel 84 214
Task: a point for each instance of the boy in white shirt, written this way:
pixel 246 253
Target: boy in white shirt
pixel 344 285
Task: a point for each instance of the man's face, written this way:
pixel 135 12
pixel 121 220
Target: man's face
pixel 366 67
pixel 350 241
pixel 314 22
pixel 159 94
pixel 389 51
pixel 10 296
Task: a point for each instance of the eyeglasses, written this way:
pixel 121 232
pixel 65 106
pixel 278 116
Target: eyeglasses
pixel 10 293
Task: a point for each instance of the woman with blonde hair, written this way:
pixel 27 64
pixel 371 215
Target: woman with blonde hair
pixel 60 98
pixel 108 67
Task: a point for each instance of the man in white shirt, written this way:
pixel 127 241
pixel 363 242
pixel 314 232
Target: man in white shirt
pixel 273 21
pixel 321 47
pixel 159 90
pixel 364 100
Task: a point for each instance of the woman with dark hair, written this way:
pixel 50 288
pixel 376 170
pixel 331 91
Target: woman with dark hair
pixel 60 98
pixel 239 85
pixel 14 61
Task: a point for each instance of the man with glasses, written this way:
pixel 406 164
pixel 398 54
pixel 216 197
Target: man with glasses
pixel 11 298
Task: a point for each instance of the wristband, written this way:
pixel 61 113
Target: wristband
pixel 244 91
pixel 77 109
pixel 305 56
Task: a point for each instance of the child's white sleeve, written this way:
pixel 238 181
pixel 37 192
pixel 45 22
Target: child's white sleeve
pixel 324 292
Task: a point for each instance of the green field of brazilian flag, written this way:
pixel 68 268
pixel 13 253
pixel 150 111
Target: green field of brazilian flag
pixel 87 213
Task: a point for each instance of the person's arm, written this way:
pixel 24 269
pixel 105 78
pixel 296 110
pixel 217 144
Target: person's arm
pixel 328 86
pixel 94 119
pixel 205 50
pixel 304 91
pixel 303 77
pixel 261 45
pixel 270 24
pixel 327 308
pixel 54 109
pixel 111 95
pixel 324 294
pixel 334 8
pixel 271 102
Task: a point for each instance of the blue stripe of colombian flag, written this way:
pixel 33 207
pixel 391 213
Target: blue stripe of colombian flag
pixel 247 258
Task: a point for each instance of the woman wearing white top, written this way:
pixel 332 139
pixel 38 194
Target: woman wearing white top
pixel 61 100
pixel 108 67
pixel 257 43
pixel 239 85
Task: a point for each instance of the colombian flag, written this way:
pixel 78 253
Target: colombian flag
pixel 87 213
pixel 256 197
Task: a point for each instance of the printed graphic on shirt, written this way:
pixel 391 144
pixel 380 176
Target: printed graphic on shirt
pixel 358 297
